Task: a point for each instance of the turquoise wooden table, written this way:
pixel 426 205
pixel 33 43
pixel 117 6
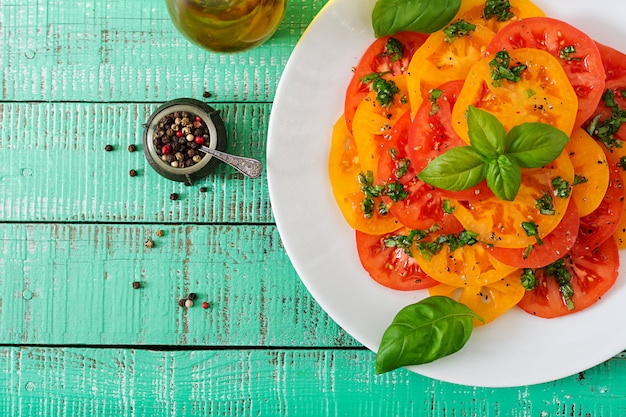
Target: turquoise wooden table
pixel 77 339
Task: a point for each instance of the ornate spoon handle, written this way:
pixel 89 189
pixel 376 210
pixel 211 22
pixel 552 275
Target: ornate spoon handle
pixel 247 166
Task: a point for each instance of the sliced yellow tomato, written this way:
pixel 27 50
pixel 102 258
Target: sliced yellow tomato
pixel 473 11
pixel 470 266
pixel 373 122
pixel 344 169
pixel 487 301
pixel 591 169
pixel 543 94
pixel 500 222
pixel 437 61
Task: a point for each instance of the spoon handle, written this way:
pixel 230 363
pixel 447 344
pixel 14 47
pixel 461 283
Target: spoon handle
pixel 247 166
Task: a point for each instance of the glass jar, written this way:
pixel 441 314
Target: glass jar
pixel 227 25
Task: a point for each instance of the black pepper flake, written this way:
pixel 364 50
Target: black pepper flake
pixel 203 189
pixel 136 285
pixel 206 94
pixel 174 196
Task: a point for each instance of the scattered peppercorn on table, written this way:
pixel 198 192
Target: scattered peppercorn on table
pixel 125 293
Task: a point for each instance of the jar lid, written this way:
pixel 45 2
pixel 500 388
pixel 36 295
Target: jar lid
pixel 214 138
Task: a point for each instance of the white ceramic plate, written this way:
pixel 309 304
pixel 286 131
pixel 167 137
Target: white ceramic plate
pixel 516 349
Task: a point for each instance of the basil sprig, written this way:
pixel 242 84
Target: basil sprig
pixel 425 331
pixel 495 155
pixel 426 16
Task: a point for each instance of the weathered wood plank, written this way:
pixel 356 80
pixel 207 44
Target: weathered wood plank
pixel 72 284
pixel 76 381
pixel 119 50
pixel 55 167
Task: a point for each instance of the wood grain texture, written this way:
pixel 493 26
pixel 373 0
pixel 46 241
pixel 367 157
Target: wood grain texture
pixel 77 381
pixel 72 284
pixel 56 168
pixel 129 51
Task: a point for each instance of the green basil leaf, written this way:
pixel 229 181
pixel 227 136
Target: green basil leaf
pixel 458 169
pixel 425 331
pixel 504 178
pixel 533 145
pixel 486 133
pixel 427 16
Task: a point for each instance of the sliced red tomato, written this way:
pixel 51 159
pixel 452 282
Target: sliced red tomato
pixel 413 202
pixel 555 245
pixel 574 50
pixel 391 266
pixel 593 273
pixel 379 58
pixel 615 68
pixel 614 62
pixel 599 124
pixel 602 223
pixel 488 301
pixel 432 134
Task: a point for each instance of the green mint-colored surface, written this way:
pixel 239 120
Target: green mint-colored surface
pixel 77 339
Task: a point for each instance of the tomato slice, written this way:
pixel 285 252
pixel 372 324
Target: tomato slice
pixel 544 94
pixel 614 62
pixel 488 301
pixel 390 266
pixel 470 266
pixel 378 59
pixel 593 273
pixel 556 244
pixel 373 123
pixel 473 11
pixel 591 169
pixel 602 223
pixel 615 68
pixel 437 60
pixel 422 206
pixel 574 50
pixel 344 169
pixel 501 223
pixel 431 135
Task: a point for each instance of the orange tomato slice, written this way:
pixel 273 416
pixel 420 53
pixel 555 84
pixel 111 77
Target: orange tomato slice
pixel 488 301
pixel 468 266
pixel 499 222
pixel 473 11
pixel 372 122
pixel 591 166
pixel 437 60
pixel 544 93
pixel 343 170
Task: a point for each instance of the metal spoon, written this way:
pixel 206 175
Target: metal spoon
pixel 247 166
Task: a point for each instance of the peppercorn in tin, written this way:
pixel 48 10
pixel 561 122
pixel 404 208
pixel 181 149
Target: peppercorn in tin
pixel 173 135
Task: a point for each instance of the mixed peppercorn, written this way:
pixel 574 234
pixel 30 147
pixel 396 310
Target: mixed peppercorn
pixel 177 138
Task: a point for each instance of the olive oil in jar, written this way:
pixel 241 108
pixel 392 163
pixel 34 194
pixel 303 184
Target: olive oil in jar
pixel 227 25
